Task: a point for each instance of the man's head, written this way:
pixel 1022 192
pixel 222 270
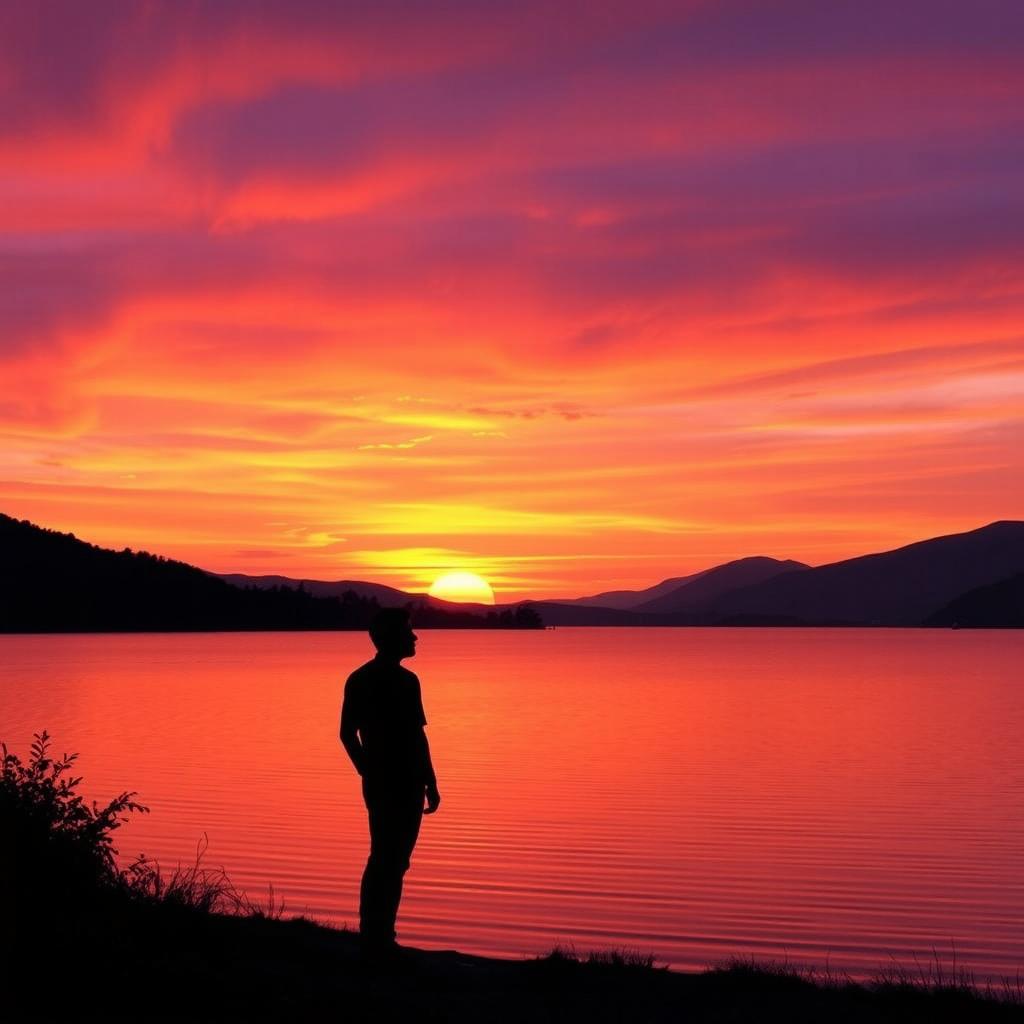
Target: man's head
pixel 392 635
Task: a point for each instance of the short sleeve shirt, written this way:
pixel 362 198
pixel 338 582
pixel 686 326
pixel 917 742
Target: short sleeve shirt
pixel 383 702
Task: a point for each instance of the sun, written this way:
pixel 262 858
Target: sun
pixel 465 587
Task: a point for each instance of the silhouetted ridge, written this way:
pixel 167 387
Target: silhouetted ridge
pixel 557 613
pixel 698 592
pixel 55 582
pixel 996 605
pixel 893 588
pixel 385 596
pixel 627 600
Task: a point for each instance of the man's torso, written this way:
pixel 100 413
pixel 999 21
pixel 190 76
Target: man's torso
pixel 385 705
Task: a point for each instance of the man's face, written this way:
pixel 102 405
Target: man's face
pixel 400 644
pixel 407 644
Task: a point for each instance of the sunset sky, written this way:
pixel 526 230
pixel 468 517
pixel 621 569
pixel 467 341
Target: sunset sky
pixel 573 296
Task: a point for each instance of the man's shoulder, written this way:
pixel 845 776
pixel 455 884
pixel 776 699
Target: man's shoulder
pixel 362 674
pixel 373 670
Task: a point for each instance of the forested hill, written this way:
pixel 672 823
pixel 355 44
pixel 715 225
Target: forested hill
pixel 54 582
pixel 997 605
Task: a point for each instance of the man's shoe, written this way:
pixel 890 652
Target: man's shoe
pixel 389 956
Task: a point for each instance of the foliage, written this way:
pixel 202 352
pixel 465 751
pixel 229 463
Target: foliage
pixel 62 847
pixel 64 855
pixel 194 887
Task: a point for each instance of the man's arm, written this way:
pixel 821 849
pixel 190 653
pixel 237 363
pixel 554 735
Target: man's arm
pixel 433 796
pixel 429 778
pixel 350 730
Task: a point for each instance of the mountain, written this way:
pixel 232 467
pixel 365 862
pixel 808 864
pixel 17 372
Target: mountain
pixel 902 587
pixel 627 599
pixel 996 605
pixel 893 588
pixel 562 613
pixel 700 592
pixel 668 596
pixel 54 582
pixel 386 597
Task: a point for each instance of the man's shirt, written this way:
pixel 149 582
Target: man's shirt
pixel 383 702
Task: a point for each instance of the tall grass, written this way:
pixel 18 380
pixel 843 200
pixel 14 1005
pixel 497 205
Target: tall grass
pixel 194 887
pixel 933 976
pixel 62 851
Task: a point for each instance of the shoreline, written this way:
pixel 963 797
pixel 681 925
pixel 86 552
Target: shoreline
pixel 167 961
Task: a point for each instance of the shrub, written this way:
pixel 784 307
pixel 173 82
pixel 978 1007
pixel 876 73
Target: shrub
pixel 59 856
pixel 60 847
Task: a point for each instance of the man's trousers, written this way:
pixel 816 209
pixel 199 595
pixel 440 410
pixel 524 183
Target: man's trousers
pixel 395 810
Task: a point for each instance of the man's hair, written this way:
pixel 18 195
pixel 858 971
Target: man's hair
pixel 387 625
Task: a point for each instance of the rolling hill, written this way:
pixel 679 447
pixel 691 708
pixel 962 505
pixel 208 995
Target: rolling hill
pixel 701 592
pixel 54 582
pixel 624 600
pixel 902 587
pixel 385 596
pixel 999 605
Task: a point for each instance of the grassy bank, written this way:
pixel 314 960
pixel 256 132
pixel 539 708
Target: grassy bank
pixel 87 939
pixel 166 962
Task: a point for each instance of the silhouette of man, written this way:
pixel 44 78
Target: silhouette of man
pixel 382 724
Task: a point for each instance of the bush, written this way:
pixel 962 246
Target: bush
pixel 60 849
pixel 59 856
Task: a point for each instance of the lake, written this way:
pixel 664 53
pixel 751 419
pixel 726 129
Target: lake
pixel 848 796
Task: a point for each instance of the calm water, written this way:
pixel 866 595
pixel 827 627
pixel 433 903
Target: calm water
pixel 849 795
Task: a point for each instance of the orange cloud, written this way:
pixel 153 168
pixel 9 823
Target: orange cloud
pixel 574 305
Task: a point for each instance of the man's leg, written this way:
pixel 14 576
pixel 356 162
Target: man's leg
pixel 395 817
pixel 405 831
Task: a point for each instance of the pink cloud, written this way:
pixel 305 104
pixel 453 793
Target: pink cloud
pixel 661 262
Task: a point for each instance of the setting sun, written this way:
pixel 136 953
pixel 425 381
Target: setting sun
pixel 462 586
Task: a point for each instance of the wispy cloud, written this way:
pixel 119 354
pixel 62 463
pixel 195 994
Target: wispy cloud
pixel 411 443
pixel 650 285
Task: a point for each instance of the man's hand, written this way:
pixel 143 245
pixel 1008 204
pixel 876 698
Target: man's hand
pixel 433 799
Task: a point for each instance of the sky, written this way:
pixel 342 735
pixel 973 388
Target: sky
pixel 575 296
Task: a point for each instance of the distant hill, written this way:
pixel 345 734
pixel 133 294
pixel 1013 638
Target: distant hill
pixel 562 613
pixel 701 591
pixel 894 588
pixel 996 605
pixel 684 593
pixel 450 613
pixel 54 582
pixel 386 597
pixel 628 599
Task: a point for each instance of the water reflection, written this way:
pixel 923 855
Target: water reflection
pixel 850 794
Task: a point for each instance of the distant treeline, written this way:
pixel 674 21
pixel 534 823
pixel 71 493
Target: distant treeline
pixel 53 582
pixel 522 617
